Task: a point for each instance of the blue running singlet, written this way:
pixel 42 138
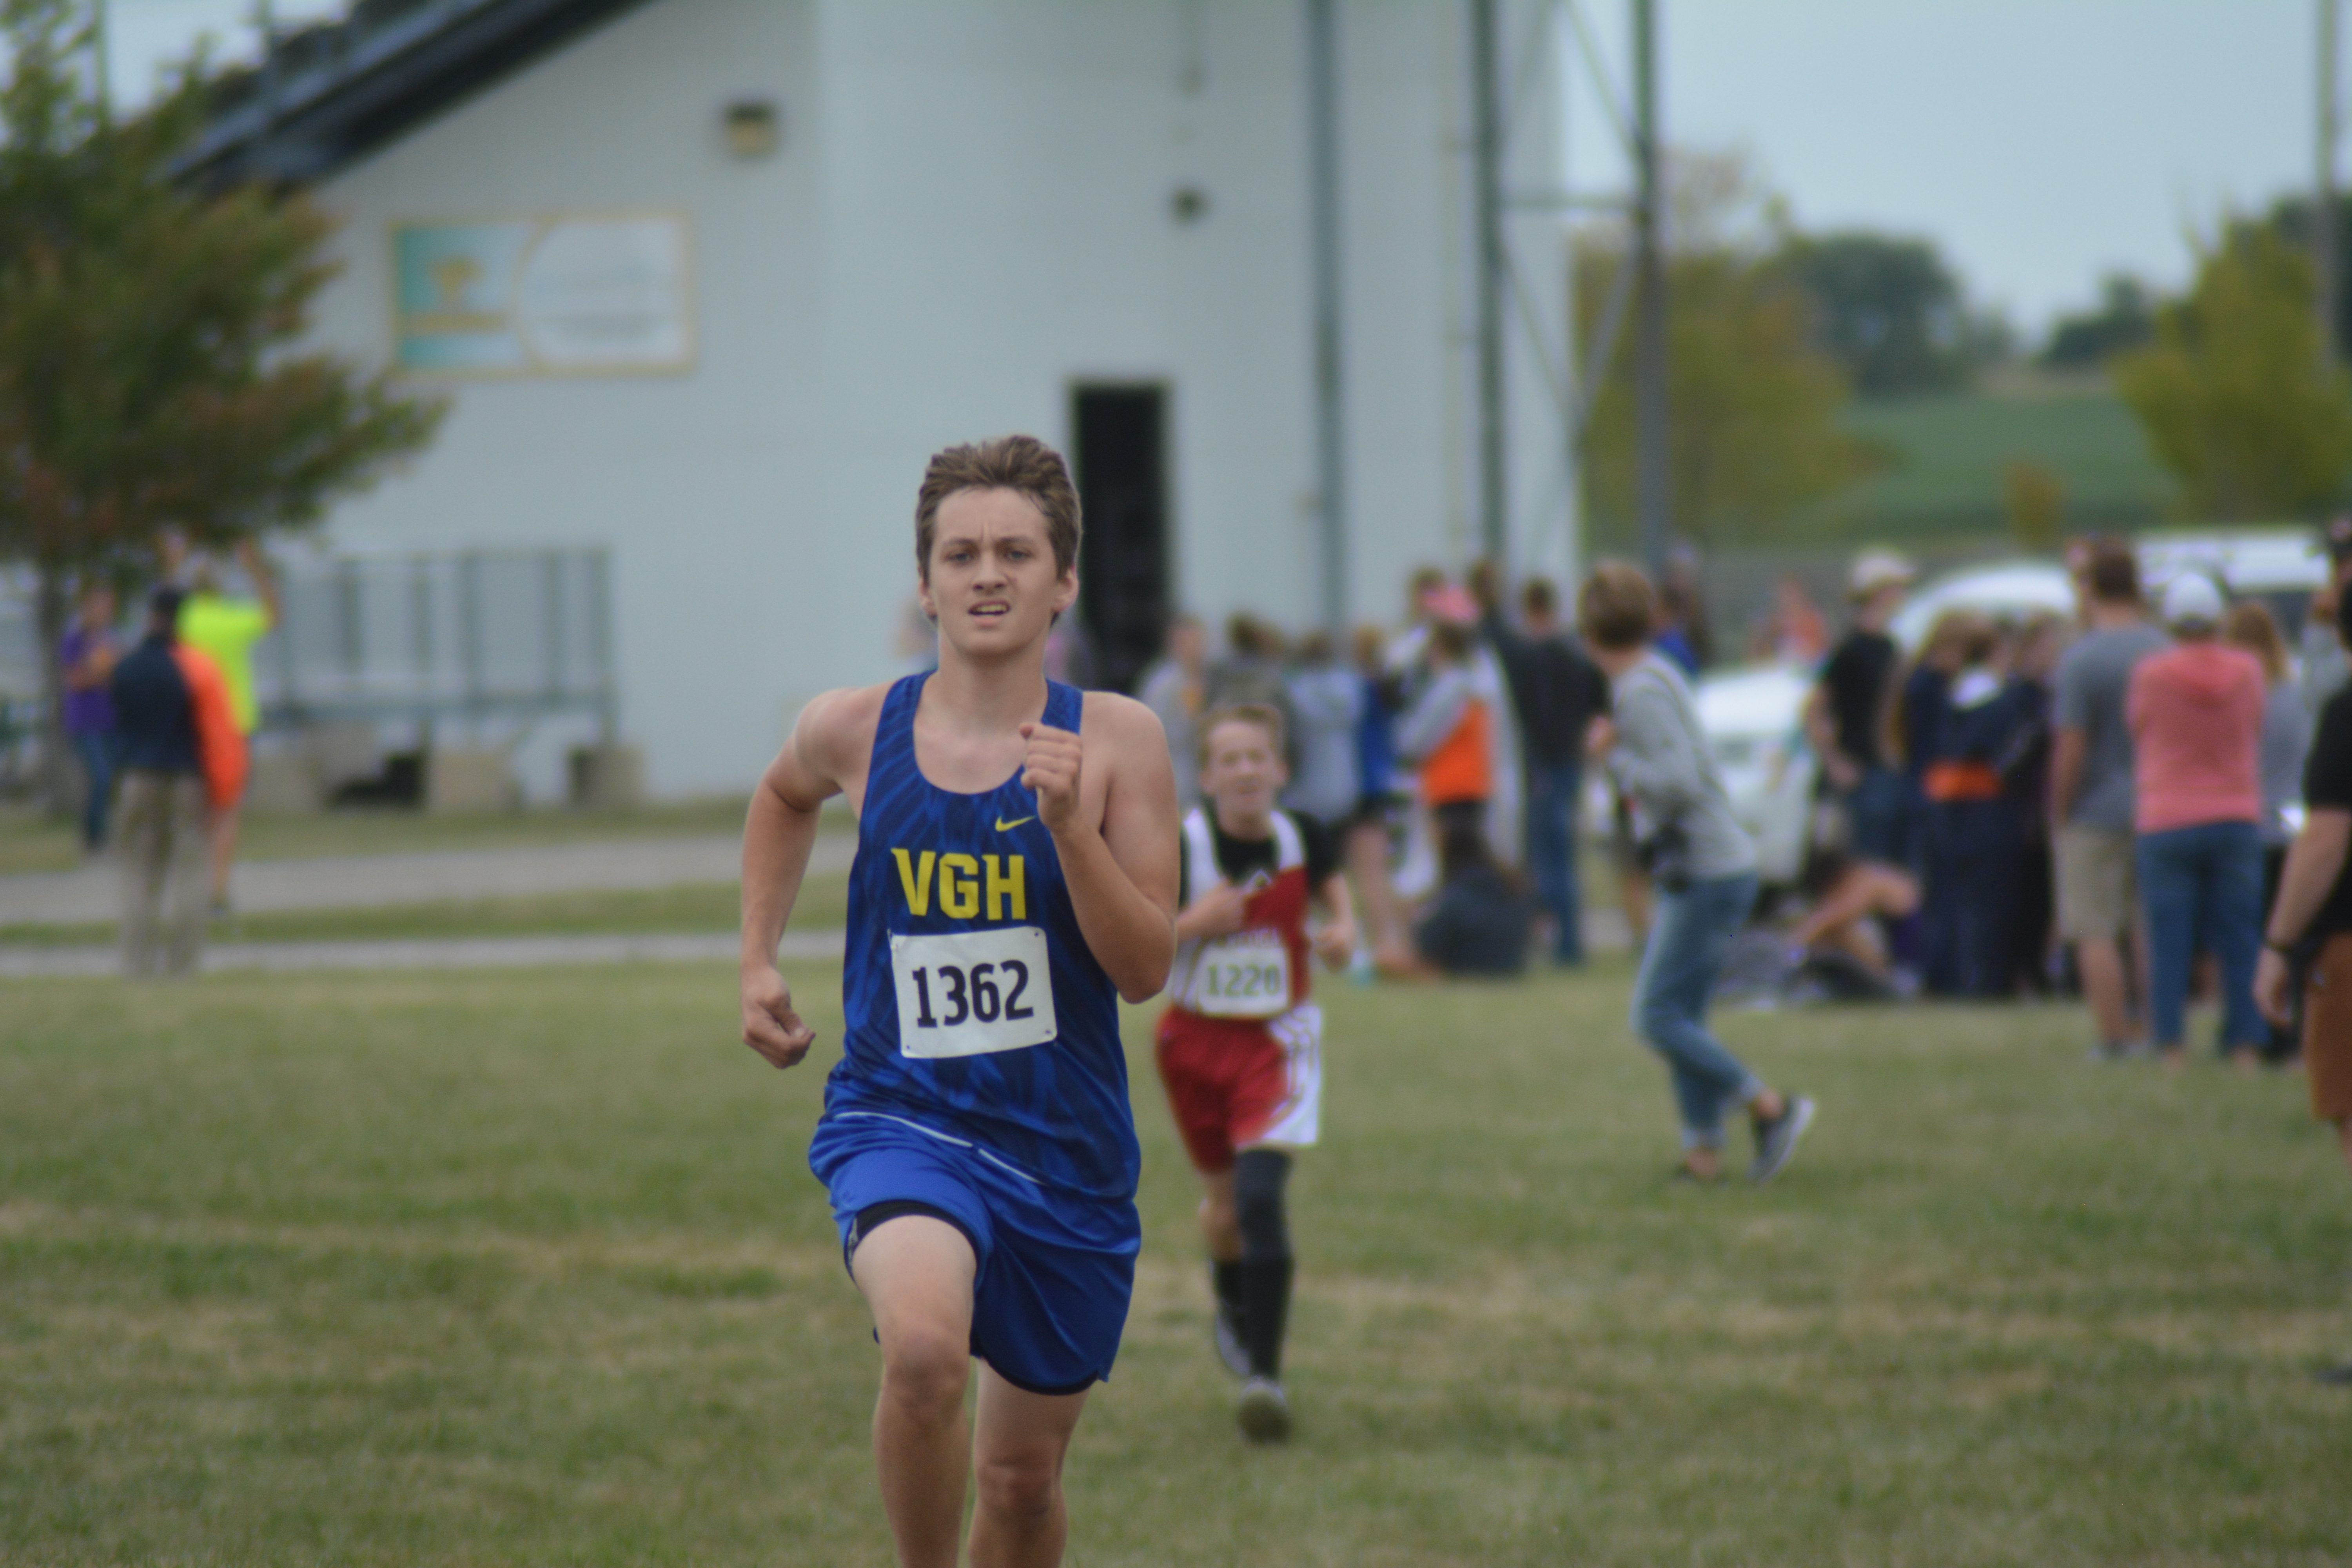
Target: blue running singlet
pixel 975 1012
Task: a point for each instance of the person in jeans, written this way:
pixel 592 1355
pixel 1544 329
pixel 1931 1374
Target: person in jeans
pixel 86 655
pixel 183 761
pixel 2091 787
pixel 2286 745
pixel 1844 714
pixel 2196 716
pixel 1556 693
pixel 1705 871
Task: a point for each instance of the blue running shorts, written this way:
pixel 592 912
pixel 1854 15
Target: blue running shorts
pixel 1055 1272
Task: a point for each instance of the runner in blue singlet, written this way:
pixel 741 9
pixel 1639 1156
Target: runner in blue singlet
pixel 1014 877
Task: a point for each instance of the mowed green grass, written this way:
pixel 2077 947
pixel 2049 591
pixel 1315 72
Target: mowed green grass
pixel 526 1267
pixel 1951 453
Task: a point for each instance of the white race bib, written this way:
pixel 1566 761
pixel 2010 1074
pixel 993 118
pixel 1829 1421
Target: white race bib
pixel 1244 975
pixel 971 993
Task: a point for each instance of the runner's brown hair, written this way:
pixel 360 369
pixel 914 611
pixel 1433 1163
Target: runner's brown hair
pixel 1019 463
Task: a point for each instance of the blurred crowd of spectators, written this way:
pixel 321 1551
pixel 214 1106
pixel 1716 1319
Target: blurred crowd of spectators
pixel 1446 753
pixel 2023 806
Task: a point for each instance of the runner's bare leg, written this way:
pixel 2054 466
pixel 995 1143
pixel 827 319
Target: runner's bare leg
pixel 917 1274
pixel 1020 1520
pixel 1221 1226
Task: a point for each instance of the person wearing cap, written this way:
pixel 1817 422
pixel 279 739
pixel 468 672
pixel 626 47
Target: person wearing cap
pixel 183 762
pixel 2091 796
pixel 2196 717
pixel 1844 714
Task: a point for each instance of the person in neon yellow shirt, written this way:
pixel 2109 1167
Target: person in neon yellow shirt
pixel 225 629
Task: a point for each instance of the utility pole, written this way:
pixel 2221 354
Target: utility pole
pixel 1330 409
pixel 1486 135
pixel 2323 212
pixel 266 15
pixel 102 45
pixel 1653 478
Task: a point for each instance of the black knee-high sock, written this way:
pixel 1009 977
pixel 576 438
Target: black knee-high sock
pixel 1225 1279
pixel 1259 1178
pixel 1266 1296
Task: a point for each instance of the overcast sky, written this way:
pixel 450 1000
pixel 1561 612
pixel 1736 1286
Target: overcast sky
pixel 2041 141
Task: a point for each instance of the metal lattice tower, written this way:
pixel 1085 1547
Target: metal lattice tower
pixel 1524 55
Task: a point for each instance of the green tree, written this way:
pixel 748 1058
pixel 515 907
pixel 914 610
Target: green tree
pixel 1889 311
pixel 2124 320
pixel 2235 393
pixel 151 375
pixel 1752 433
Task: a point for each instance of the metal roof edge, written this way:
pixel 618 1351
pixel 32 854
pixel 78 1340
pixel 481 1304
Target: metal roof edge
pixel 330 94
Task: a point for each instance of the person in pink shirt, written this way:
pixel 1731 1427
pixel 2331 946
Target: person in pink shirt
pixel 2196 716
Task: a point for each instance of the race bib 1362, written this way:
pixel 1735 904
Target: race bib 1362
pixel 969 993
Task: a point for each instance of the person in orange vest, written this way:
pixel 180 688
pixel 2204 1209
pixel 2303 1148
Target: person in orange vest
pixel 183 762
pixel 1975 829
pixel 1449 734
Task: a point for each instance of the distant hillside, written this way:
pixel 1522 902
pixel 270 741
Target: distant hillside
pixel 1947 454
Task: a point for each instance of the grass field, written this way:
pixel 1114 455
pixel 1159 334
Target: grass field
pixel 526 1267
pixel 1951 451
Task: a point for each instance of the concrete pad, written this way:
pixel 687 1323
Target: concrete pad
pixel 376 881
pixel 471 952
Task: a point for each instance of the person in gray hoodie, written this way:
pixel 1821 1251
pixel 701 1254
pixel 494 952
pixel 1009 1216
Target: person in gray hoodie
pixel 1704 868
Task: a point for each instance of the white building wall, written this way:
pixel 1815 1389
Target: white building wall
pixel 698 481
pixel 971 211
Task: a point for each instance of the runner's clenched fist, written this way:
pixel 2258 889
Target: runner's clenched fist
pixel 1052 770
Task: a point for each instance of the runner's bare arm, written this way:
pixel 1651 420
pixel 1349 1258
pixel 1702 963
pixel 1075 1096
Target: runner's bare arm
pixel 1215 912
pixel 2314 863
pixel 2069 747
pixel 822 756
pixel 1336 940
pixel 1109 797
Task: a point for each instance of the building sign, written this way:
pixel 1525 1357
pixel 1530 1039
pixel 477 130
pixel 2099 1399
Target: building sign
pixel 543 296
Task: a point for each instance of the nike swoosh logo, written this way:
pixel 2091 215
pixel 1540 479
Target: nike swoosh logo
pixel 1004 826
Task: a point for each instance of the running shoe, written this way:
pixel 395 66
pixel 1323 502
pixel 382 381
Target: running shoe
pixel 1777 1139
pixel 1264 1411
pixel 1227 1330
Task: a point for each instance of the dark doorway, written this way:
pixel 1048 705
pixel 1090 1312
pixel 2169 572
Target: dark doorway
pixel 1120 444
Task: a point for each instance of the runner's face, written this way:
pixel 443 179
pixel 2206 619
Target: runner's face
pixel 1244 773
pixel 992 587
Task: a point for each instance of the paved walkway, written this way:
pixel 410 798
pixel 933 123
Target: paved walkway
pixel 1604 932
pixel 371 881
pixel 467 953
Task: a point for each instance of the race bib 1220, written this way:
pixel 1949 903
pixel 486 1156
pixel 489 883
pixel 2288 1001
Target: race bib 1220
pixel 967 994
pixel 1244 975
